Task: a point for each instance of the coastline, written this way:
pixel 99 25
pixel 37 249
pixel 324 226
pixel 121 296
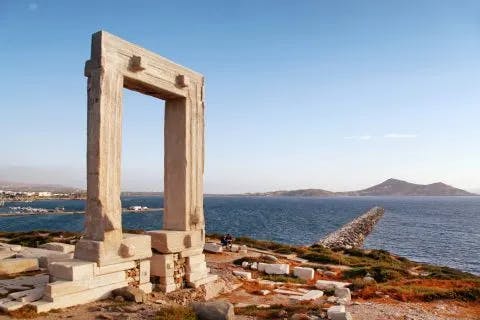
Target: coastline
pixel 406 228
pixel 15 214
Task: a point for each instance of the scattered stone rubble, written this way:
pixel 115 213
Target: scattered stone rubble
pixel 353 234
pixel 21 291
pixel 297 293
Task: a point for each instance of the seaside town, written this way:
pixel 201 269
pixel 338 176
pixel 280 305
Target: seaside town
pixel 9 195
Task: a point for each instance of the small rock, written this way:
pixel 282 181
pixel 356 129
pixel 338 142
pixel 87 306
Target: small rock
pixel 130 294
pixel 104 316
pixel 161 301
pixel 336 312
pixel 263 306
pixel 264 292
pixel 368 279
pixel 119 299
pixel 343 293
pixel 329 273
pixel 16 248
pixel 332 299
pixel 215 310
pixel 245 264
pixel 213 247
pixel 254 266
pixel 282 314
pixel 270 258
pixel 242 274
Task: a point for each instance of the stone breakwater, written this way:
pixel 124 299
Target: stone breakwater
pixel 353 233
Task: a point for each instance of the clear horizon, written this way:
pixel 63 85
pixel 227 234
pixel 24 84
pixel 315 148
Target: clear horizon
pixel 317 95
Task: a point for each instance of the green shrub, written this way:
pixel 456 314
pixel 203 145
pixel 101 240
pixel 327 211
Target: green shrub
pixel 471 294
pixel 355 252
pixel 284 250
pixel 355 273
pixel 322 257
pixel 358 284
pixel 446 273
pixel 283 278
pixel 268 245
pixel 379 255
pixel 384 274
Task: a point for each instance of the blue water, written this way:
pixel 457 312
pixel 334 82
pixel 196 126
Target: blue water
pixel 439 230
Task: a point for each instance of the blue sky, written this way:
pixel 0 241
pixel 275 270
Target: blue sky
pixel 300 94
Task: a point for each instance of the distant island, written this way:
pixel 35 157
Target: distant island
pixel 14 191
pixel 390 187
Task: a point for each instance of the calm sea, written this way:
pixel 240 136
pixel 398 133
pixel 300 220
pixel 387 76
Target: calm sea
pixel 439 230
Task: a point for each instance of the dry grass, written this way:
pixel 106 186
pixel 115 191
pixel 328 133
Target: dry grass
pixel 175 313
pixel 425 290
pixel 25 312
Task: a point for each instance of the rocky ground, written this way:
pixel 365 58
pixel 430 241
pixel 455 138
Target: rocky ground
pixel 400 289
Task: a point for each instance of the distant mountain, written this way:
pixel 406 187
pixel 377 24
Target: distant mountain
pixel 395 187
pixel 297 193
pixel 34 187
pixel 390 187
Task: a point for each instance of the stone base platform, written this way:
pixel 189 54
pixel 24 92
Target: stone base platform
pixel 78 282
pixel 178 259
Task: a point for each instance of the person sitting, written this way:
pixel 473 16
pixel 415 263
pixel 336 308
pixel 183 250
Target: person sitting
pixel 224 241
pixel 229 240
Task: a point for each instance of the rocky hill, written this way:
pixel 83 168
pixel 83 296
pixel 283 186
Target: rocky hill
pixel 390 187
pixel 394 187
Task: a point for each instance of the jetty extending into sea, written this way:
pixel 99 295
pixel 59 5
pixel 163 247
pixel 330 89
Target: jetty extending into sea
pixel 353 234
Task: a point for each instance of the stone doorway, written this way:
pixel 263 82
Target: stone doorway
pixel 178 259
pixel 106 258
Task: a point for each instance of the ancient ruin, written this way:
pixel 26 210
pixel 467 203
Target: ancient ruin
pixel 106 259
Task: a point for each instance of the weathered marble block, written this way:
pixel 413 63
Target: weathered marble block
pixel 172 241
pixel 304 273
pixel 18 265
